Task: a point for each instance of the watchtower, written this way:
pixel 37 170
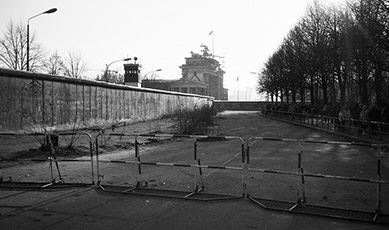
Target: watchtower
pixel 131 75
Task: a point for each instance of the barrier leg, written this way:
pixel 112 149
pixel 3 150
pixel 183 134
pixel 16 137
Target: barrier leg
pixel 302 197
pixel 201 176
pixel 379 185
pixel 51 169
pixel 195 162
pixel 301 191
pixel 91 158
pixel 56 162
pixel 139 172
pixel 197 177
pixel 245 171
pixel 97 162
pixel 52 156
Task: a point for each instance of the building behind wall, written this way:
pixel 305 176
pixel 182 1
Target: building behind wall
pixel 201 74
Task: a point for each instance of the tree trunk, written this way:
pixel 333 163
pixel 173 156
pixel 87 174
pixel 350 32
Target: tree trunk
pixel 378 83
pixel 363 82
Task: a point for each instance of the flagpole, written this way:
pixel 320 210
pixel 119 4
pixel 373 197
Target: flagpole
pixel 213 44
pixel 237 79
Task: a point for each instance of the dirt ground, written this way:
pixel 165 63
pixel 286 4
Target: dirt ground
pixel 276 156
pixel 25 147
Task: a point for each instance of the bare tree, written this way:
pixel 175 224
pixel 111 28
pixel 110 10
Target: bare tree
pixel 341 55
pixel 54 65
pixel 111 76
pixel 13 48
pixel 153 76
pixel 74 66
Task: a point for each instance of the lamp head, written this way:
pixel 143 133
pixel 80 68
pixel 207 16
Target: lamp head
pixel 52 10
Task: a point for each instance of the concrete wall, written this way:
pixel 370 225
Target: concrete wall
pixel 30 102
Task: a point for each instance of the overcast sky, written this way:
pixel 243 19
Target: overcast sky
pixel 161 33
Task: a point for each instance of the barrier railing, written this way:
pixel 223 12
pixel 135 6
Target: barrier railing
pixel 53 160
pixel 300 173
pixel 197 173
pixel 356 127
pixel 247 170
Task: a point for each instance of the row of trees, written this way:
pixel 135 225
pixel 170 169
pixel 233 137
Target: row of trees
pixel 13 55
pixel 333 54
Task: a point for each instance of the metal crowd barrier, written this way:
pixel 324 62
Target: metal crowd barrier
pixel 53 165
pixel 301 206
pixel 199 188
pixel 140 185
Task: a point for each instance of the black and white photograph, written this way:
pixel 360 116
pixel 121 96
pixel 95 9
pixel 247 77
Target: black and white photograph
pixel 180 114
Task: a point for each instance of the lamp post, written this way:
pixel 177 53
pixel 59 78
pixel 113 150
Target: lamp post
pixel 107 66
pixel 260 95
pixel 144 76
pixel 52 10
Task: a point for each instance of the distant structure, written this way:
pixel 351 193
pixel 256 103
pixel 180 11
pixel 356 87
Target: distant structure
pixel 201 74
pixel 131 75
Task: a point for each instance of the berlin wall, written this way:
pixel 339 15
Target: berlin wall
pixel 31 102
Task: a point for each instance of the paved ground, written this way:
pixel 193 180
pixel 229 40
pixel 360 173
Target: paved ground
pixel 91 208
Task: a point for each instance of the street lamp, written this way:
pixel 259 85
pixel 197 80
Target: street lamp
pixel 144 77
pixel 107 66
pixel 52 10
pixel 261 96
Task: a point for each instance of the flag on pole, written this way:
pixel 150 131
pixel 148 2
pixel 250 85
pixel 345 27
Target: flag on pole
pixel 210 33
pixel 237 78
